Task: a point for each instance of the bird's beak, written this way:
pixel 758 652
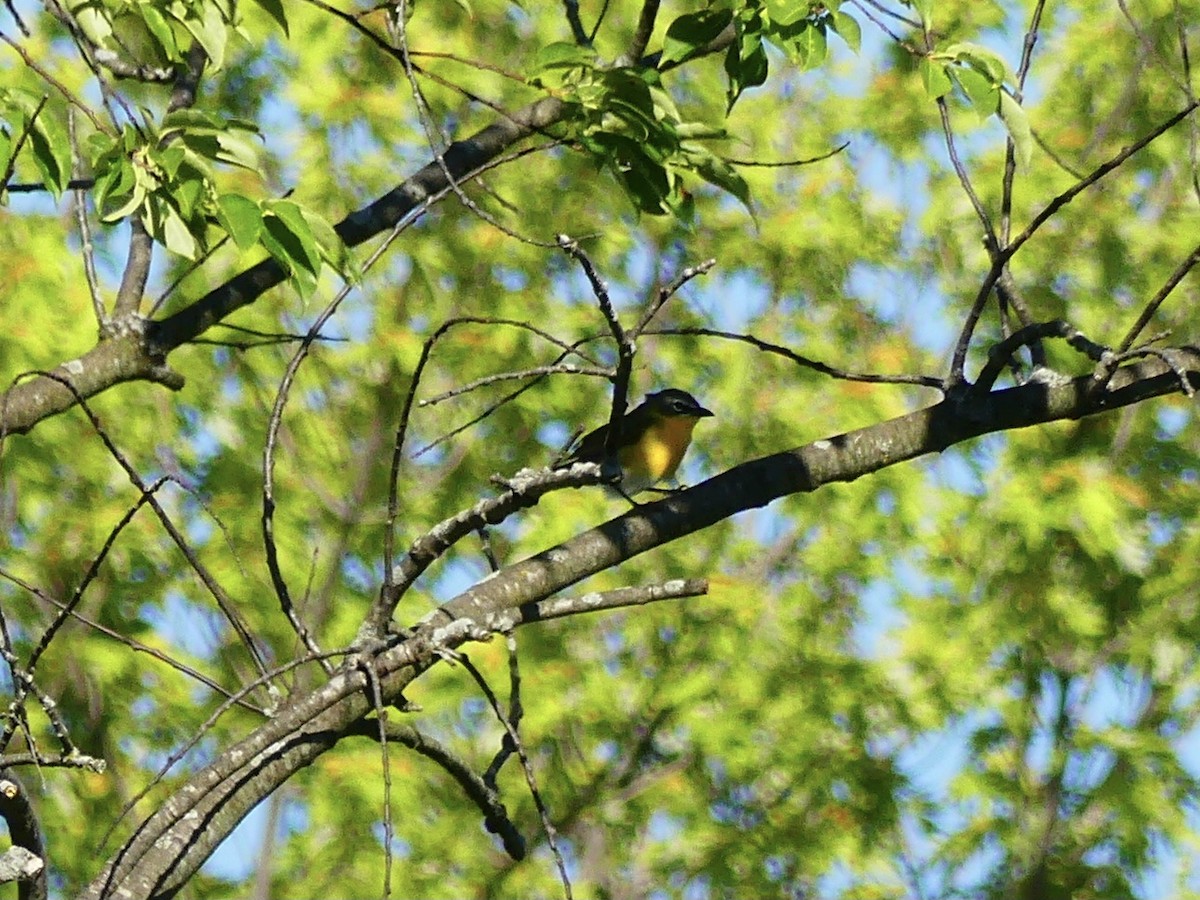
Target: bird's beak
pixel 701 412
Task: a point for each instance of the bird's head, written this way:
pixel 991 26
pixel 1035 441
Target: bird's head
pixel 675 404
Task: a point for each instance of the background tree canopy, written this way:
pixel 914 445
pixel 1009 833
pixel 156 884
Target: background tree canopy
pixel 301 300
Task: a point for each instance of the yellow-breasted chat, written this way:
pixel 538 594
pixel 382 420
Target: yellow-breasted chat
pixel 653 439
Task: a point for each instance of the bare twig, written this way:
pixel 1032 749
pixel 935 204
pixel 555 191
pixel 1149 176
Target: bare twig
pixel 131 643
pixel 578 32
pixel 1194 131
pixel 437 143
pixel 624 341
pixel 410 403
pixel 85 228
pixel 534 372
pixel 515 712
pixel 275 422
pixel 510 730
pixel 224 603
pixel 1156 301
pixel 666 292
pixel 20 142
pixel 958 362
pixel 931 381
pixel 89 576
pixel 55 83
pixel 524 490
pixel 787 163
pixel 641 35
pixel 964 178
pixel 1010 156
pixel 1002 352
pixel 495 816
pixel 381 718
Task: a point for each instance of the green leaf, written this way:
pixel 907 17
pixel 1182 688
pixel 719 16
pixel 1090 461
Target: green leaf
pixel 114 178
pixel 936 78
pixel 160 28
pixel 718 172
pixel 51 151
pixel 169 158
pixel 848 29
pixel 190 119
pixel 241 218
pixel 1017 123
pixel 288 250
pixel 301 248
pixel 332 250
pixel 169 227
pixel 988 62
pixel 978 88
pixel 239 148
pixel 692 32
pixel 209 30
pixel 744 70
pixel 562 55
pixel 274 9
pixel 188 195
pixel 811 46
pixel 787 12
pixel 131 205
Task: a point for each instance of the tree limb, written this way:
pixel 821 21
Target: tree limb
pixel 176 839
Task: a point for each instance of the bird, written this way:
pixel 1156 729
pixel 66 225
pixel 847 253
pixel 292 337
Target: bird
pixel 653 439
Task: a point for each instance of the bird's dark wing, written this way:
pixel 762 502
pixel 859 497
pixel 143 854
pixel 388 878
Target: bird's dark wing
pixel 590 447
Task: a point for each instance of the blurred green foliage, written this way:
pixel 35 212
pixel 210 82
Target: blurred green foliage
pixel 967 676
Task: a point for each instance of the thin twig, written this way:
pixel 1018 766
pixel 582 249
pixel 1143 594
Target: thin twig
pixel 21 139
pixel 623 340
pixel 1159 296
pixel 437 143
pixel 381 717
pixel 800 360
pixel 958 362
pixel 641 35
pixel 534 372
pixel 526 767
pixel 274 424
pixel 85 228
pixel 1010 155
pixel 224 603
pixel 578 33
pixel 1000 354
pixel 55 83
pixel 495 817
pixel 667 291
pixel 132 643
pixel 787 163
pixel 960 170
pixel 89 576
pixel 406 415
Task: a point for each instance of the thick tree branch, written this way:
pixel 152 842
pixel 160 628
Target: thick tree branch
pixel 170 845
pixel 460 159
pixel 26 833
pixel 126 359
pixel 118 359
pixel 845 457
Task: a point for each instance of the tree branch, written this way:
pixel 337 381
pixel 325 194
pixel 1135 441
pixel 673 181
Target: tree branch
pixel 171 845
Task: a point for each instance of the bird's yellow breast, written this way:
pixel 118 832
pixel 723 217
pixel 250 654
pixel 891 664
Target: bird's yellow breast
pixel 658 452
